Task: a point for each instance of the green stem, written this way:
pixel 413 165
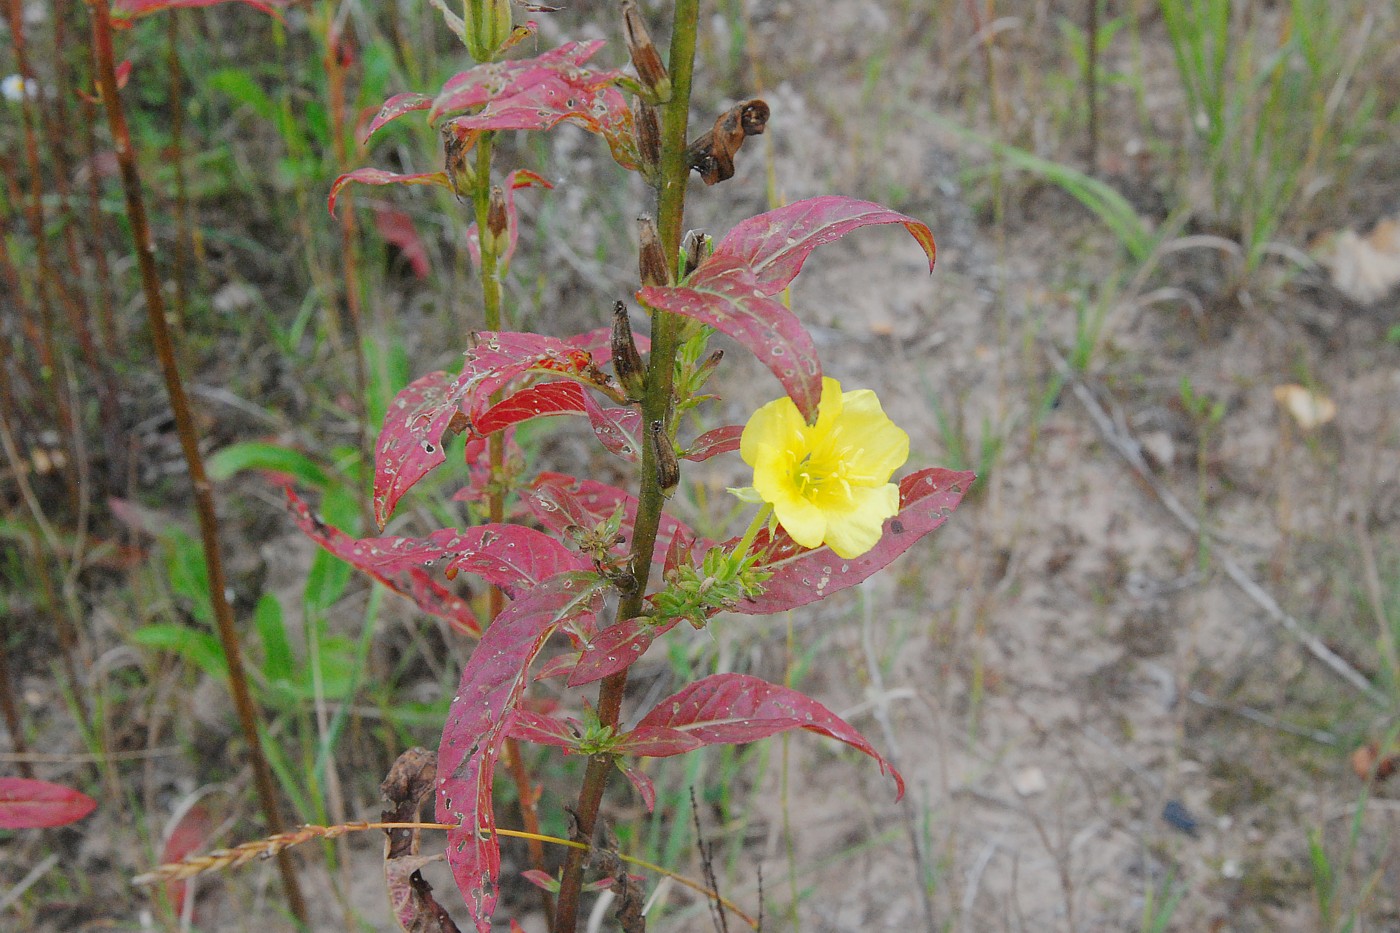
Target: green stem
pixel 746 542
pixel 657 403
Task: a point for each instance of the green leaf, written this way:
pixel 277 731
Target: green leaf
pixel 240 87
pixel 188 574
pixel 198 648
pixel 278 662
pixel 258 455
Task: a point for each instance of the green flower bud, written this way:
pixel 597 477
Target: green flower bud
pixel 486 27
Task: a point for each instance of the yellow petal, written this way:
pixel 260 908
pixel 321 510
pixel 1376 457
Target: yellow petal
pixel 776 426
pixel 854 532
pixel 880 445
pixel 802 520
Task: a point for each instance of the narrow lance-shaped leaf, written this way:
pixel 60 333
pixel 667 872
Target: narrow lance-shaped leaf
pixel 713 443
pixel 477 724
pixel 727 297
pixel 379 176
pixel 727 709
pixel 512 557
pixel 774 245
pixel 802 576
pixel 393 108
pixel 29 804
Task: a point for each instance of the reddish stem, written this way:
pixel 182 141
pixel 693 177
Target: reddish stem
pixel 189 442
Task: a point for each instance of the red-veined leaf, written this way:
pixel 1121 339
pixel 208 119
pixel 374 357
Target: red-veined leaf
pixel 537 401
pixel 379 176
pixel 617 429
pixel 124 12
pixel 397 228
pixel 530 726
pixel 773 245
pixel 712 443
pixel 726 709
pixel 802 576
pixel 727 297
pixel 29 804
pixel 393 108
pixel 538 94
pixel 559 501
pixel 660 742
pixel 476 728
pixel 520 178
pixel 557 666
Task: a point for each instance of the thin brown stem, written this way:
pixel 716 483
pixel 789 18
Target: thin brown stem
pixel 656 406
pixel 189 442
pixel 177 160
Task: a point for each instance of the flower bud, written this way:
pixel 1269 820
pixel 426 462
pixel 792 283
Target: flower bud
pixel 644 54
pixel 627 362
pixel 486 27
pixel 706 368
pixel 668 468
pixel 654 267
pixel 697 246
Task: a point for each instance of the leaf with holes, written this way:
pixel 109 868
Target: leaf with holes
pixel 520 178
pixel 477 724
pixel 774 245
pixel 728 709
pixel 727 297
pixel 379 176
pixel 29 804
pixel 802 576
pixel 538 94
pixel 512 557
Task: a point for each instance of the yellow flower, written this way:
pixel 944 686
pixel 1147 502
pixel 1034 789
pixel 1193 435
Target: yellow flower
pixel 828 482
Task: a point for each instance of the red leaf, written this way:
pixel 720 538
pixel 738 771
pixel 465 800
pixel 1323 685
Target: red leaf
pixel 28 804
pixel 615 648
pixel 189 835
pixel 802 576
pixel 727 297
pixel 512 557
pixel 393 108
pixel 477 724
pixel 410 445
pixel 539 93
pixel 645 788
pixel 538 401
pixel 520 178
pixel 727 709
pixel 529 726
pixel 773 246
pixel 712 443
pixel 398 229
pixel 125 11
pixel 559 501
pixel 379 176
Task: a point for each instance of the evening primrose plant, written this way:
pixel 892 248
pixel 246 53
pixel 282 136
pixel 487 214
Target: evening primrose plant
pixel 583 577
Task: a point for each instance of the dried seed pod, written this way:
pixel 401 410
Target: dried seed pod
pixel 712 155
pixel 627 362
pixel 496 219
pixel 697 247
pixel 655 270
pixel 668 468
pixel 644 54
pixel 456 143
pixel 648 130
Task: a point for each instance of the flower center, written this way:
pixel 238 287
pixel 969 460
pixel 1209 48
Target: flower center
pixel 827 475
